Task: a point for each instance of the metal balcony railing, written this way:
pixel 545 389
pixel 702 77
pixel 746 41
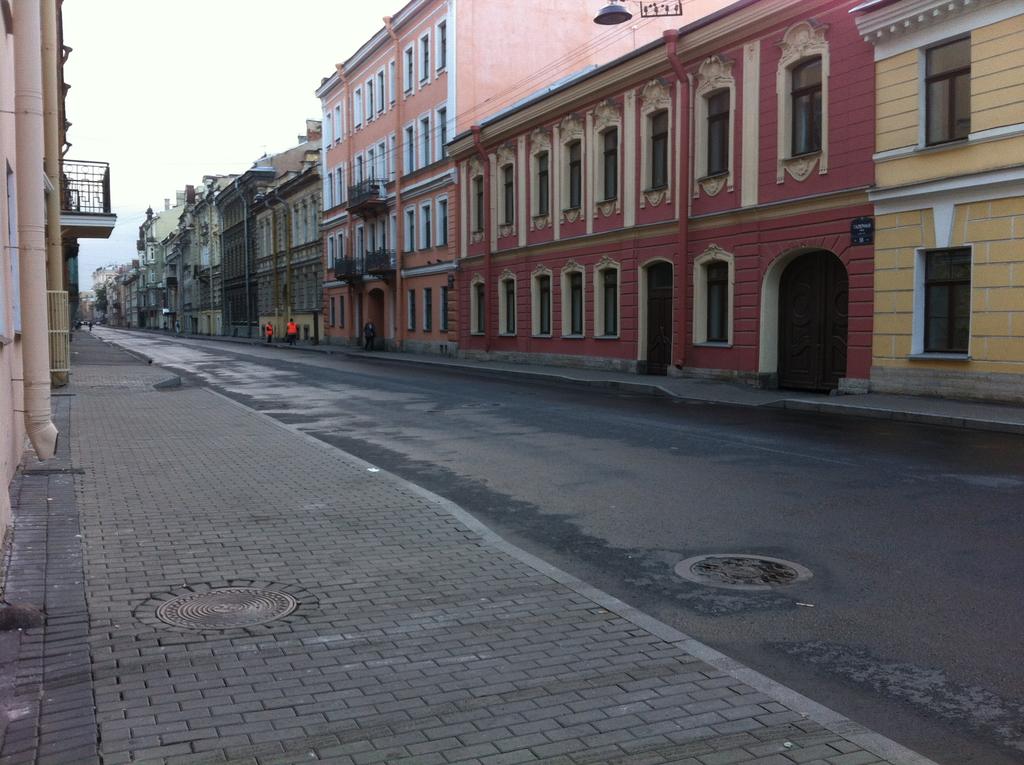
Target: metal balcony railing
pixel 380 260
pixel 85 187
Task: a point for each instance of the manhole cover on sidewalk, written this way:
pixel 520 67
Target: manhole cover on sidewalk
pixel 741 571
pixel 226 607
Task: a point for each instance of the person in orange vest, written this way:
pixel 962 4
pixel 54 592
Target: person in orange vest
pixel 292 331
pixel 269 329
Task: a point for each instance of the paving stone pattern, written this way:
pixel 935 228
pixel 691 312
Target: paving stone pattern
pixel 415 640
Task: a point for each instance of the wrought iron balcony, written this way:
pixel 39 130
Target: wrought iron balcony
pixel 381 262
pixel 85 199
pixel 348 269
pixel 368 197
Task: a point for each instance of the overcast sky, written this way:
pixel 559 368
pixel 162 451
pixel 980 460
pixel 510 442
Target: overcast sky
pixel 168 91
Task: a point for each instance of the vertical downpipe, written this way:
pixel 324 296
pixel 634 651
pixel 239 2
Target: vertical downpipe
pixel 671 37
pixel 28 120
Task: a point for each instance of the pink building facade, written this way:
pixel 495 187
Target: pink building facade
pixel 686 209
pixel 390 109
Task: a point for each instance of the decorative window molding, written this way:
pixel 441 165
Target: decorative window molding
pixel 714 75
pixel 506 327
pixel 537 298
pixel 803 40
pixel 540 144
pixel 607 116
pixel 713 254
pixel 477 304
pixel 574 305
pixel 476 214
pixel 506 156
pixel 601 308
pixel 655 97
pixel 570 131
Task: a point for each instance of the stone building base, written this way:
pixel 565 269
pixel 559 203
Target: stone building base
pixel 977 386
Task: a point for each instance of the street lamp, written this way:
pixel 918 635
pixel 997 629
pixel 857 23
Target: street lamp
pixel 611 14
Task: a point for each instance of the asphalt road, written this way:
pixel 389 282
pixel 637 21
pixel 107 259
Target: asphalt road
pixel 912 623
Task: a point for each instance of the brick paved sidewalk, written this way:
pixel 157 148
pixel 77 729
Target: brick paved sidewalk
pixel 419 636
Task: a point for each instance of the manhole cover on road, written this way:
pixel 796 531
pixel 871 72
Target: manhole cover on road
pixel 741 572
pixel 226 607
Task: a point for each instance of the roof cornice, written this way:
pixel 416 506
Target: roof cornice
pixel 901 18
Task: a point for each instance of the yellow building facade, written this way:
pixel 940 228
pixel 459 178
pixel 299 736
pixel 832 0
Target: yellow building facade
pixel 949 197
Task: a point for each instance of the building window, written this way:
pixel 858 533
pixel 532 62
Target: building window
pixel 339 125
pixel 357 107
pixel 805 97
pixel 333 314
pixel 410 230
pixel 718 132
pixel 542 301
pixel 425 228
pixel 368 106
pixel 610 301
pixel 391 81
pixel 717 274
pixel 331 257
pixel 478 307
pixel 442 222
pixel 380 91
pixel 424 58
pixel 947 301
pixel 428 309
pixel 948 91
pixel 508 194
pixel 572 301
pixel 543 184
pixel 575 174
pixel 424 141
pixel 507 305
pixel 444 309
pixel 410 74
pixel 478 204
pixel 659 149
pixel 442 45
pixel 341 310
pixel 410 149
pixel 412 310
pixel 610 163
pixel 442 133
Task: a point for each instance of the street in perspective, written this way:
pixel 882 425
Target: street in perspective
pixel 587 382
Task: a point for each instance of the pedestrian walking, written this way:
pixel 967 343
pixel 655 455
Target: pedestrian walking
pixel 369 333
pixel 269 329
pixel 90 326
pixel 291 332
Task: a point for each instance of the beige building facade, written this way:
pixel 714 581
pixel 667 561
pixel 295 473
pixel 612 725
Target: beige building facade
pixel 949 197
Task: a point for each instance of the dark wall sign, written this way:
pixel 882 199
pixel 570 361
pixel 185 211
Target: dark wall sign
pixel 862 231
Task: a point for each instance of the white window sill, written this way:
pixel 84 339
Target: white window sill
pixel 713 344
pixel 506 334
pixel 537 336
pixel 573 337
pixel 934 356
pixel 477 334
pixel 606 337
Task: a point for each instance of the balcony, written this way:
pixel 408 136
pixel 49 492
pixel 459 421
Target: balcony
pixel 85 200
pixel 381 263
pixel 368 198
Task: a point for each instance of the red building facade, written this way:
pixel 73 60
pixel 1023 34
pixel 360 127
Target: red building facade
pixel 685 209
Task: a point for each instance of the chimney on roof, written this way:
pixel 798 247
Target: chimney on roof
pixel 190 194
pixel 179 198
pixel 167 203
pixel 314 130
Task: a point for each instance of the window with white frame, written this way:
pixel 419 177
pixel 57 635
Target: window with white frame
pixel 442 221
pixel 392 67
pixel 442 45
pixel 380 91
pixel 409 78
pixel 329 190
pixel 339 124
pixel 339 182
pixel 357 107
pixel 802 86
pixel 541 191
pixel 410 229
pixel 368 100
pixel 942 301
pixel 410 149
pixel 371 163
pixel 540 294
pixel 713 280
pixel 507 303
pixel 392 157
pixel 360 169
pixel 340 248
pixel 444 309
pixel 442 133
pixel 572 301
pixel 508 194
pixel 425 157
pixel 333 312
pixel 360 242
pixel 381 172
pixel 341 310
pixel 411 298
pixel 608 165
pixel 332 258
pixel 606 299
pixel 477 306
pixel 573 174
pixel 328 127
pixel 425 58
pixel 947 88
pixel 428 309
pixel 658 141
pixel 478 204
pixel 425 226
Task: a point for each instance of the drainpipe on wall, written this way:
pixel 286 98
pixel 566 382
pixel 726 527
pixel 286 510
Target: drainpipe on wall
pixel 671 37
pixel 28 120
pixel 485 160
pixel 399 213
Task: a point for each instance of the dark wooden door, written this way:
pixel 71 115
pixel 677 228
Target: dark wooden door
pixel 659 318
pixel 813 322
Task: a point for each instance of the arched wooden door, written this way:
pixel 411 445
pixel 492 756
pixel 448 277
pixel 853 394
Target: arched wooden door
pixel 813 322
pixel 659 318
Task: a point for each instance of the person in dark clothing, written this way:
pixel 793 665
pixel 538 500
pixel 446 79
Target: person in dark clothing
pixel 369 333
